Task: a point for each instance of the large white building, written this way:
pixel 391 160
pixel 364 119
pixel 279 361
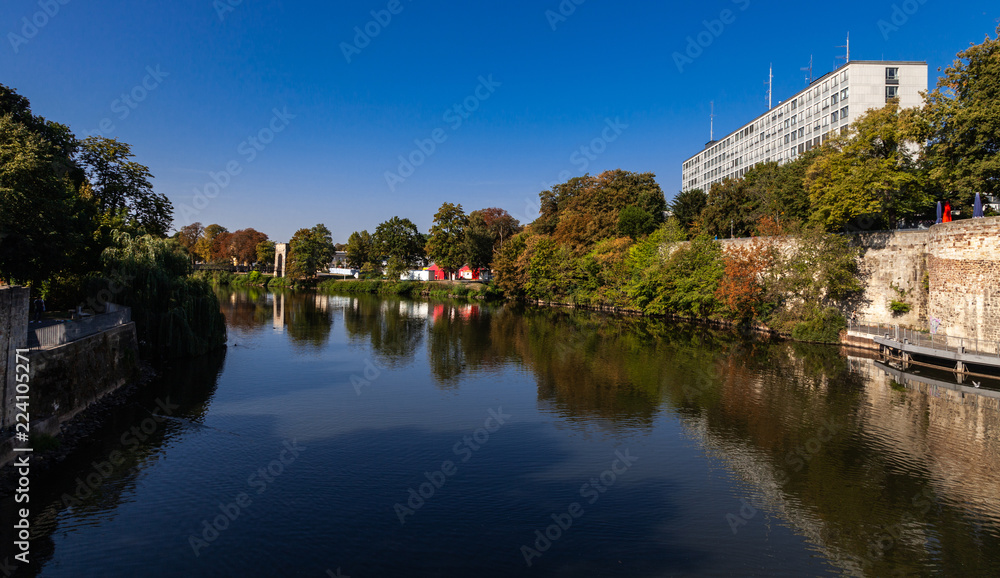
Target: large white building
pixel 807 119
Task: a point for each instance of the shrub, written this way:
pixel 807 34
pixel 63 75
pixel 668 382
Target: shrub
pixel 820 325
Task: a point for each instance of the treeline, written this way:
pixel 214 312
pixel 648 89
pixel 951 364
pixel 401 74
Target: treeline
pixel 456 239
pixel 81 225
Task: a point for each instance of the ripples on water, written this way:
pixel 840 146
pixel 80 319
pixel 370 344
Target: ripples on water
pixel 751 457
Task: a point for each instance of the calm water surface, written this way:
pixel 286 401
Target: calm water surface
pixel 381 437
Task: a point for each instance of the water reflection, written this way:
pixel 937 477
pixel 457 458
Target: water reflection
pixel 879 472
pixel 882 479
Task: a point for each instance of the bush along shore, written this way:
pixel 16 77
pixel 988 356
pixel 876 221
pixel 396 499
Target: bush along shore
pixel 439 289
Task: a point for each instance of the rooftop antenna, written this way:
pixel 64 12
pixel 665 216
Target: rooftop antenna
pixel 711 123
pixel 847 47
pixel 770 83
pixel 809 79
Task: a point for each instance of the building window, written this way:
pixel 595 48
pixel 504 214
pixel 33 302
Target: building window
pixel 802 132
pixel 843 113
pixel 892 76
pixel 833 116
pixel 786 138
pixel 891 92
pixel 843 95
pixel 833 98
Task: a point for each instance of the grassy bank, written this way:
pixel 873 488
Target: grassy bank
pixel 441 289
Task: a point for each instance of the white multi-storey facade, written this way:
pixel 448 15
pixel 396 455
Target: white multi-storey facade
pixel 807 119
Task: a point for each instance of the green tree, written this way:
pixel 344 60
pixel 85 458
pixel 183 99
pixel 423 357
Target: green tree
pixel 733 209
pixel 871 171
pixel 398 240
pixel 359 249
pixel 964 116
pixel 122 185
pixel 265 253
pixel 478 242
pixel 501 224
pixel 687 207
pixel 635 222
pixel 309 250
pixel 42 220
pixel 446 246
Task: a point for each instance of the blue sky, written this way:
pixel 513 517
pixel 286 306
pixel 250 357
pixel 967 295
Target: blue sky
pixel 259 104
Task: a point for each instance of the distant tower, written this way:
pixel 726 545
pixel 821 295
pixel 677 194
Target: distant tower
pixel 280 259
pixel 770 84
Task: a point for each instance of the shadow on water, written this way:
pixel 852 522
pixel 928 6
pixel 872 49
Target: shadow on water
pixel 876 475
pixel 127 440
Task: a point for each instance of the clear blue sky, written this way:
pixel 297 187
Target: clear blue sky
pixel 229 64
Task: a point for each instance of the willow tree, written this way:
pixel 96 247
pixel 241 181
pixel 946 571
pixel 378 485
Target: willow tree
pixel 175 315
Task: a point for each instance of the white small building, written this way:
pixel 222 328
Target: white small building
pixel 415 276
pixel 340 271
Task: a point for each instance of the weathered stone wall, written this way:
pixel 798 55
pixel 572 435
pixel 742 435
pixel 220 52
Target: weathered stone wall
pixel 13 336
pixel 948 274
pixel 963 260
pixel 893 268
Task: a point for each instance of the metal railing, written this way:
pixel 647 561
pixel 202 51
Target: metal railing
pixel 962 345
pixel 62 333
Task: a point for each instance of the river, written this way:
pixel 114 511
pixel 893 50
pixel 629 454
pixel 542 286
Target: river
pixel 364 437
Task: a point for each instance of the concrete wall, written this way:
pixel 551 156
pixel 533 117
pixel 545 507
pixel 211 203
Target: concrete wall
pixel 13 336
pixel 66 379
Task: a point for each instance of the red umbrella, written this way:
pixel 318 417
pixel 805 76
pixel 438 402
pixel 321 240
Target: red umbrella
pixel 947 212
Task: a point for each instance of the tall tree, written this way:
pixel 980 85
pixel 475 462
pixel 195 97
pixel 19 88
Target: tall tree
pixel 41 222
pixel 478 242
pixel 964 116
pixel 309 250
pixel 243 245
pixel 687 207
pixel 585 210
pixel 501 224
pixel 446 246
pixel 189 235
pixel 265 253
pixel 873 170
pixel 359 249
pixel 399 242
pixel 206 246
pixel 122 185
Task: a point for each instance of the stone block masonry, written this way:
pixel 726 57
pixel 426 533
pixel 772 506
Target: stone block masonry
pixel 948 274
